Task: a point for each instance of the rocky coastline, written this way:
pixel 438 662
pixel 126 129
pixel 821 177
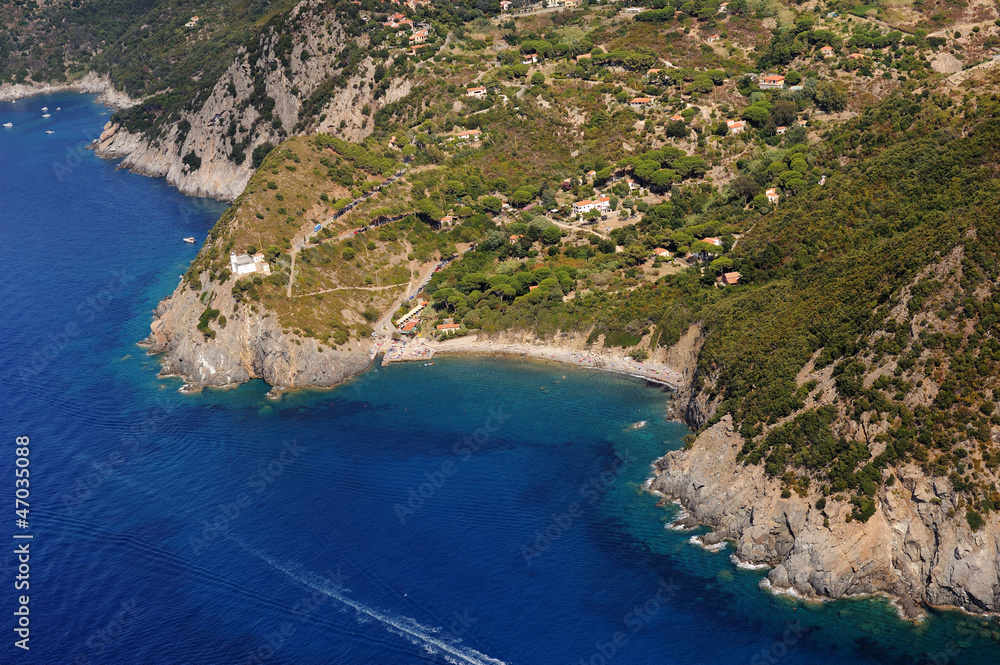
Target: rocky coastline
pixel 914 549
pixel 89 83
pixel 251 345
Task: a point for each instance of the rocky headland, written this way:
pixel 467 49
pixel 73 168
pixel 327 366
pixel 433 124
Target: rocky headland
pixel 913 548
pixel 252 345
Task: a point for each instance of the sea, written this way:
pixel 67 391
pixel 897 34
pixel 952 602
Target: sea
pixel 472 511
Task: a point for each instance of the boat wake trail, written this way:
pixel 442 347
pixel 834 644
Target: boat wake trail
pixel 408 628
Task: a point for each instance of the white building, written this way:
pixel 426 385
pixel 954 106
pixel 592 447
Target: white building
pixel 602 204
pixel 247 265
pixel 478 93
pixel 772 196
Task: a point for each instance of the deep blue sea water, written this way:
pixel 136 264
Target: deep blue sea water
pixel 472 511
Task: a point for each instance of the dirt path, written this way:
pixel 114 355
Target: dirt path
pixel 570 227
pixel 353 288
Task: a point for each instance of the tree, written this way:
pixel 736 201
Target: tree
pixel 663 177
pixel 521 197
pixel 756 114
pixel 551 235
pixel 830 97
pixel 260 152
pixel 690 167
pixel 784 113
pixel 537 78
pixel 677 129
pixel 721 264
pixel 492 204
pixel 427 208
pixel 745 187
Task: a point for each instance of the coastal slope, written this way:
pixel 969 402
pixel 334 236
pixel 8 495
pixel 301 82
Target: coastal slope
pixel 912 548
pixel 251 345
pixel 302 73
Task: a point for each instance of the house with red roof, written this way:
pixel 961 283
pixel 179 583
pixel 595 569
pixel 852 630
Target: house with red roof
pixel 602 204
pixel 771 81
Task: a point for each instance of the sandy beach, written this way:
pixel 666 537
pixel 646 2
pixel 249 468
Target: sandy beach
pixel 610 360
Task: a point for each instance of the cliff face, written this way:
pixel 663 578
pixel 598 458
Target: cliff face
pixel 258 100
pixel 911 548
pixel 250 346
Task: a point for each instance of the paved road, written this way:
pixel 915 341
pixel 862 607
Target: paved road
pixel 383 327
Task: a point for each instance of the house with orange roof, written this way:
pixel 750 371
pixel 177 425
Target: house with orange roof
pixel 772 196
pixel 602 204
pixel 468 135
pixel 770 81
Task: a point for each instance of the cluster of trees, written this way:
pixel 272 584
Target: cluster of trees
pixel 662 167
pixel 706 10
pixel 359 156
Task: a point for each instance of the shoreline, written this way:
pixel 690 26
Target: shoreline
pixel 616 362
pixel 89 84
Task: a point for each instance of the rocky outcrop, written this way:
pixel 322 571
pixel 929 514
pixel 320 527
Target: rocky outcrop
pixel 917 547
pixel 251 345
pixel 90 83
pixel 259 99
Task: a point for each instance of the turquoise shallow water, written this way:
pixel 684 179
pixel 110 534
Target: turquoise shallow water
pixel 472 511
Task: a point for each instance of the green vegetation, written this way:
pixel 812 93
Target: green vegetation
pixel 866 247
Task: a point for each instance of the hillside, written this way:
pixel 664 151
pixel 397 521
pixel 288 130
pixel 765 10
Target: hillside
pixel 799 198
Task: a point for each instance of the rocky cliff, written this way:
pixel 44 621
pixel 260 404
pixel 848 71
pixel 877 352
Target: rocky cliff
pixel 251 345
pixel 89 83
pixel 297 78
pixel 913 548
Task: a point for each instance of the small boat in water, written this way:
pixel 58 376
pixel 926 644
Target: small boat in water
pixel 59 108
pixel 49 131
pixel 189 240
pixel 8 124
pixel 46 115
pixel 45 108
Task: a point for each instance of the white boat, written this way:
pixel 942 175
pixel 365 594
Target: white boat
pixel 189 240
pixel 45 108
pixel 8 124
pixel 46 115
pixel 49 131
pixel 59 108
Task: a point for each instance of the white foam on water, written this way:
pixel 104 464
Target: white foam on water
pixel 746 565
pixel 411 630
pixel 717 547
